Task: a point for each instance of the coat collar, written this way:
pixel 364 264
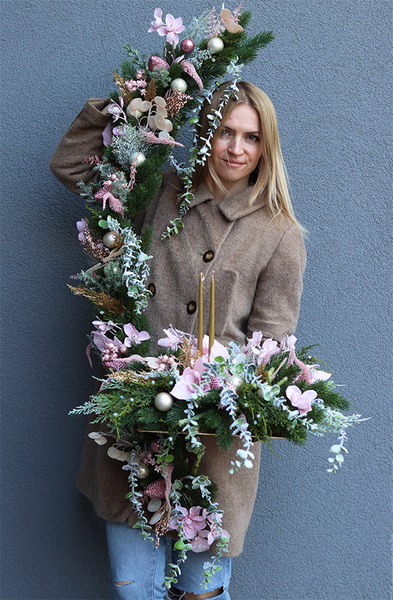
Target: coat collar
pixel 232 207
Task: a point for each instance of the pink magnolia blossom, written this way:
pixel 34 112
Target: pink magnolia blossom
pixel 170 29
pixel 116 110
pixel 268 349
pixel 134 336
pixel 288 345
pixel 173 340
pixel 214 519
pixel 190 378
pixel 301 401
pixel 104 326
pixel 317 375
pixel 101 341
pixel 173 27
pixel 253 342
pixel 157 23
pixel 216 350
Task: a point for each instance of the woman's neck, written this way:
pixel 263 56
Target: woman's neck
pixel 233 188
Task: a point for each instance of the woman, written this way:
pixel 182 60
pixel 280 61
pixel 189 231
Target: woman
pixel 240 226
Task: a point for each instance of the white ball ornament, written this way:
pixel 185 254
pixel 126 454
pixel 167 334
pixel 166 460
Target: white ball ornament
pixel 179 85
pixel 143 471
pixel 215 45
pixel 163 401
pixel 235 380
pixel 138 158
pixel 110 239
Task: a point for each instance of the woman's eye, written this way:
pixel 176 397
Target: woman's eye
pixel 224 132
pixel 253 138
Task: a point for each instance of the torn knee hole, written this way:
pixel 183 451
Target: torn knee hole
pixel 121 583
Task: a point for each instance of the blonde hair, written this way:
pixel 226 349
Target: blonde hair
pixel 270 177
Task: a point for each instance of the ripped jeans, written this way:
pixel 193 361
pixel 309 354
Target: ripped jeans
pixel 138 568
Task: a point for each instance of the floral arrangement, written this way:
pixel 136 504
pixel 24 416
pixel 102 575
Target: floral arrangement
pixel 156 410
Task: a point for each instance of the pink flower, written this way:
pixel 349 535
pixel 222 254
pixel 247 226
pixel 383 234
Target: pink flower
pixel 192 521
pixel 104 326
pixel 255 341
pixel 288 345
pixel 134 336
pixel 81 226
pixel 268 349
pixel 200 543
pixel 173 340
pixel 301 401
pixel 101 341
pixel 190 378
pixel 155 25
pixel 217 349
pixel 317 375
pixel 171 28
pixel 214 519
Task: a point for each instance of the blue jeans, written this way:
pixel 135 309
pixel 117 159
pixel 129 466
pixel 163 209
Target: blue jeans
pixel 138 568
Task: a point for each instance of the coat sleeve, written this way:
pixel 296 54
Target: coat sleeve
pixel 276 304
pixel 83 139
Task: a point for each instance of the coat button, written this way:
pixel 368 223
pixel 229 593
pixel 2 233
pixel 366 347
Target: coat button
pixel 208 256
pixel 191 307
pixel 152 289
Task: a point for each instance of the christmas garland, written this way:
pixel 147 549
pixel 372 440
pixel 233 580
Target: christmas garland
pixel 155 410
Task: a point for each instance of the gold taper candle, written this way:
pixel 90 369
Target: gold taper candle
pixel 200 316
pixel 211 316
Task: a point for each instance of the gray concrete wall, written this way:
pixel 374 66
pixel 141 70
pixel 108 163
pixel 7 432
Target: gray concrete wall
pixel 312 536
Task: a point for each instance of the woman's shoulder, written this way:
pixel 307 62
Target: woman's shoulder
pixel 171 182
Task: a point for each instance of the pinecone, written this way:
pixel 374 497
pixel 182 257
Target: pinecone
pixel 156 489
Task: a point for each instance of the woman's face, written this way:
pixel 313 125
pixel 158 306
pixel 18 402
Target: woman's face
pixel 237 150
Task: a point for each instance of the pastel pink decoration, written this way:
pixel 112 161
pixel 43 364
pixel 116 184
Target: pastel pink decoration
pixel 301 400
pixel 156 489
pixel 157 62
pixel 191 71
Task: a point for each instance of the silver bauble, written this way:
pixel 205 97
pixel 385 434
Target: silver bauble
pixel 110 239
pixel 215 45
pixel 163 401
pixel 179 85
pixel 260 393
pixel 143 471
pixel 235 381
pixel 138 158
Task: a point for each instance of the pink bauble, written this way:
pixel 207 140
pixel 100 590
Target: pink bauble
pixel 187 46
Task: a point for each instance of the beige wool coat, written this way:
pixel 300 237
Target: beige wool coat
pixel 258 263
